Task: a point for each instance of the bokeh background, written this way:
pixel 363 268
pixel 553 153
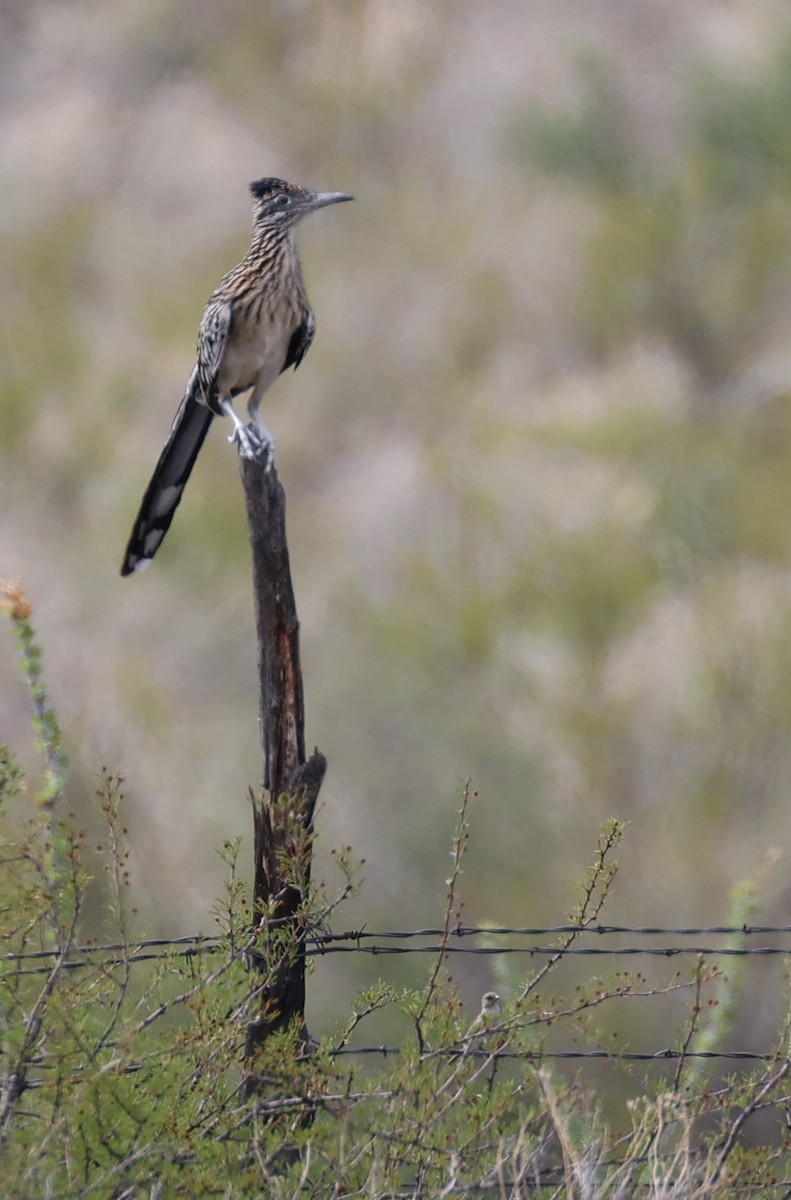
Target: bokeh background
pixel 538 461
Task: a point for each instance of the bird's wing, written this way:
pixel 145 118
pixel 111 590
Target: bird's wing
pixel 215 329
pixel 300 343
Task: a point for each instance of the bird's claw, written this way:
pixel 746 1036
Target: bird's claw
pixel 252 445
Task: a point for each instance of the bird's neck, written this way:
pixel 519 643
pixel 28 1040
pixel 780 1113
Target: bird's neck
pixel 274 240
pixel 275 251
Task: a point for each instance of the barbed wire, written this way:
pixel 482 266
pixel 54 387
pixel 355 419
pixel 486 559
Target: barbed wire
pixel 363 941
pixel 562 951
pixel 548 930
pixel 666 1055
pixel 110 954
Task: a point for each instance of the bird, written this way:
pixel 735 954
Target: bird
pixel 256 324
pixel 487 1017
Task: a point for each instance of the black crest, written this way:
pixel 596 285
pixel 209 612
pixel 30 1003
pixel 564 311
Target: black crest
pixel 261 188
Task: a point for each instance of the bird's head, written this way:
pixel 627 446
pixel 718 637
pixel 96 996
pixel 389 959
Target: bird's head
pixel 278 204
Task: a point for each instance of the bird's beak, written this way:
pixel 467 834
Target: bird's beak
pixel 321 199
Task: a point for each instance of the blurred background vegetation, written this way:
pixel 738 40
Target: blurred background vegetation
pixel 537 462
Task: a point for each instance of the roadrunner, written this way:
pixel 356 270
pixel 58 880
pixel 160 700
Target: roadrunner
pixel 257 323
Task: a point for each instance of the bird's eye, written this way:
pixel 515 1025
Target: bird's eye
pixel 282 200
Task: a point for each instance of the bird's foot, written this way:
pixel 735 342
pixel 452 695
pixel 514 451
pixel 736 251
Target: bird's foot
pixel 253 443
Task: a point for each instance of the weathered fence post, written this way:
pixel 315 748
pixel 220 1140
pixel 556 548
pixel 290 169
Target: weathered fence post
pixel 283 818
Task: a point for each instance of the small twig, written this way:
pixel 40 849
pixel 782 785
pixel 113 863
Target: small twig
pixel 595 892
pixel 458 849
pixel 744 1115
pixel 692 1026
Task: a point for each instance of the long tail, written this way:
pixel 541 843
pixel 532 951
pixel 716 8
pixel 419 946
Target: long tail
pixel 168 481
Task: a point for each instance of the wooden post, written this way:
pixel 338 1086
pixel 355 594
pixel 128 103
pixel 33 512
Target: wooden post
pixel 283 819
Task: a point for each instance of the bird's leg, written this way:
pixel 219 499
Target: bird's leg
pixel 257 427
pixel 254 440
pixel 261 432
